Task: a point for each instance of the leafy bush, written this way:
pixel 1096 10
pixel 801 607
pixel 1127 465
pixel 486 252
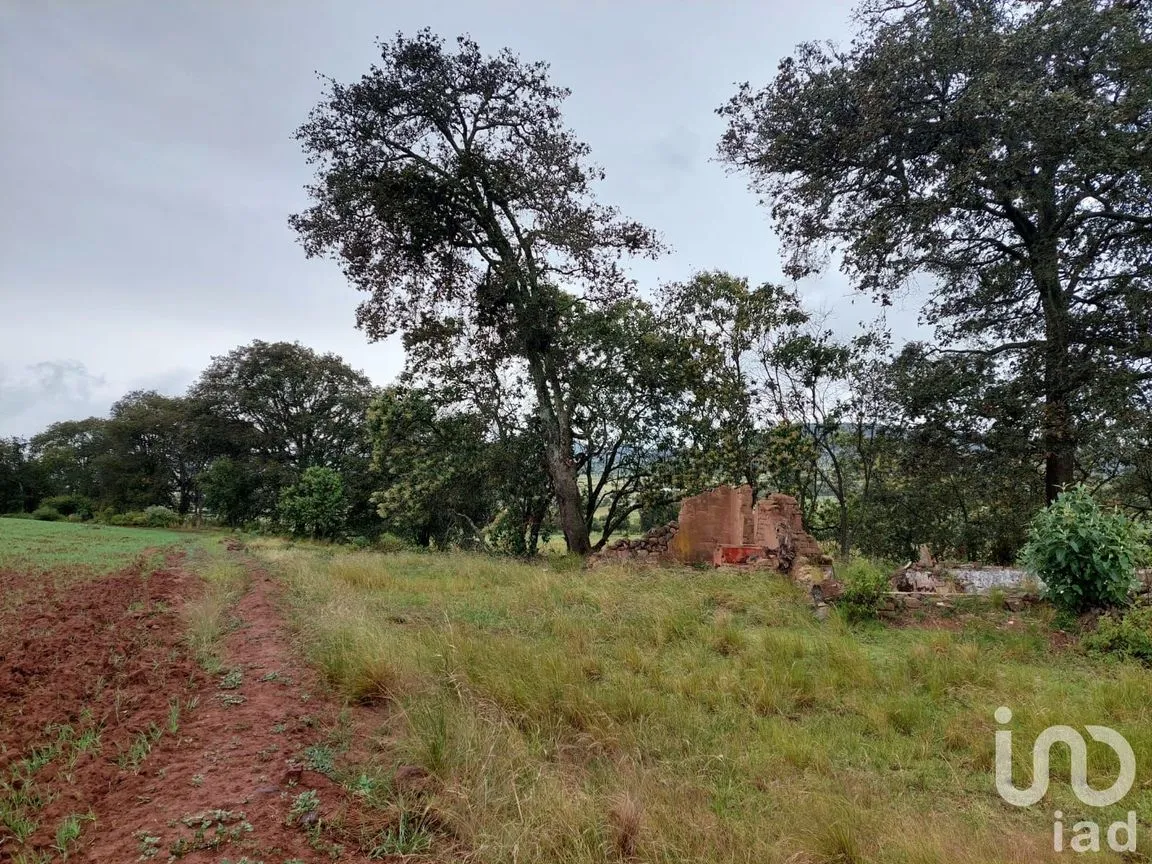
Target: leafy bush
pixel 1086 556
pixel 46 514
pixel 158 516
pixel 391 543
pixel 131 519
pixel 315 506
pixel 1127 635
pixel 70 505
pixel 865 587
pixel 658 514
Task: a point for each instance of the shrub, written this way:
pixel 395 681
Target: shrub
pixel 658 514
pixel 865 587
pixel 315 506
pixel 1086 556
pixel 1127 634
pixel 70 505
pixel 131 519
pixel 158 516
pixel 391 543
pixel 46 514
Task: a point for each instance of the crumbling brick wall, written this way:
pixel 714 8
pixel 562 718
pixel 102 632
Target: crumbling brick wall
pixel 653 546
pixel 714 518
pixel 724 517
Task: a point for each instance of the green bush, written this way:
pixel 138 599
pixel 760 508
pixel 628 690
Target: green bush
pixel 315 506
pixel 158 516
pixel 865 587
pixel 131 519
pixel 658 514
pixel 391 543
pixel 1086 556
pixel 1127 634
pixel 70 505
pixel 46 514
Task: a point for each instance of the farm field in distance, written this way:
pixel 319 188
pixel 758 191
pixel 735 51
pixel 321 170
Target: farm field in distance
pixel 179 696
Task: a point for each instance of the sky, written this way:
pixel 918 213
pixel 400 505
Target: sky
pixel 148 169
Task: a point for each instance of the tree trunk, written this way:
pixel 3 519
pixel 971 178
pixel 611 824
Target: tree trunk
pixel 1059 435
pixel 845 536
pixel 1059 447
pixel 568 499
pixel 561 470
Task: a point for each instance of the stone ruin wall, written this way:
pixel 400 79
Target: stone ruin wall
pixel 724 517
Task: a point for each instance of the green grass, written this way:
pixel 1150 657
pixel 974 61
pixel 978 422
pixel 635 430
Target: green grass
pixel 64 552
pixel 26 544
pixel 206 618
pixel 668 715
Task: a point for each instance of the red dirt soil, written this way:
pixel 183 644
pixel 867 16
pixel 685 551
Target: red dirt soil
pixel 108 654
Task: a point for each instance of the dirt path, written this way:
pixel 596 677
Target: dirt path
pixel 116 747
pixel 234 780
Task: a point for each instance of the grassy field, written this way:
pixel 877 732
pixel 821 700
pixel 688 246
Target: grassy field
pixel 30 544
pixel 661 715
pixel 673 715
pixel 63 552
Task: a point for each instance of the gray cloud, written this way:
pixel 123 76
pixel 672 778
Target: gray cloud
pixel 47 391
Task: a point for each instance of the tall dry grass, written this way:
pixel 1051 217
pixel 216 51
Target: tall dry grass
pixel 206 619
pixel 673 715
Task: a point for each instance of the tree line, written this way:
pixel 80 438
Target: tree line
pixel 994 154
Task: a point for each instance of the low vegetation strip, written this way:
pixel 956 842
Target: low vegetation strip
pixel 675 714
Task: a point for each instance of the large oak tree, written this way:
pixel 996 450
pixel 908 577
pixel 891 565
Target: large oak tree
pixel 1001 149
pixel 449 188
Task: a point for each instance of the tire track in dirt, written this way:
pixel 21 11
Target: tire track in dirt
pixel 228 783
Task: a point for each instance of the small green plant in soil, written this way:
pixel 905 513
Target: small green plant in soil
pixel 320 758
pixel 232 679
pixel 68 832
pixel 305 803
pixel 407 837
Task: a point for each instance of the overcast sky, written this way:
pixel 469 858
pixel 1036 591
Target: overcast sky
pixel 147 168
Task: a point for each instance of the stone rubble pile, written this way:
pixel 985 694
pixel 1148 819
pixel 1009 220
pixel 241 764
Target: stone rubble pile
pixel 654 544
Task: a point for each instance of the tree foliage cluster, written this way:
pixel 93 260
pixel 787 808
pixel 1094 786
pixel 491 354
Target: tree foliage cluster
pixel 238 447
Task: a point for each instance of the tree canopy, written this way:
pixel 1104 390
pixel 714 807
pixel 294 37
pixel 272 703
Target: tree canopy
pixel 450 191
pixel 1002 149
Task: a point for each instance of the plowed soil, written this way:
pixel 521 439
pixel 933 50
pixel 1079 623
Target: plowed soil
pixel 221 775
